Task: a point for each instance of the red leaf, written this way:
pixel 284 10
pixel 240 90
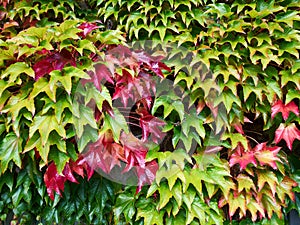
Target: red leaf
pixel 284 109
pixel 267 155
pixel 87 28
pixel 152 63
pixel 67 172
pixel 102 75
pixel 239 128
pixel 150 125
pixel 242 157
pixel 55 61
pixel 105 154
pixel 288 133
pixel 80 166
pixel 146 175
pixel 53 181
pixel 135 151
pixel 135 88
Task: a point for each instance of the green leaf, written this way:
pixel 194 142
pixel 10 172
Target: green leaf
pixel 65 77
pixel 267 177
pixel 178 157
pixel 196 177
pixel 288 17
pixel 89 135
pixel 83 116
pixel 8 180
pixel 10 149
pixel 169 105
pixel 177 193
pixel 4 85
pixel 125 204
pixel 170 174
pixel 245 182
pixel 151 215
pixel 97 96
pixel 188 198
pixel 164 196
pixel 14 70
pixel 235 139
pixel 193 120
pixel 44 149
pixel 235 202
pixel 116 124
pixel 42 85
pixel 45 124
pixel 253 207
pixel 18 102
pixel 60 159
pixel 85 44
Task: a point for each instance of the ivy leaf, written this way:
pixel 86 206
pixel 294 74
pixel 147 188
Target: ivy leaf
pixel 146 175
pixel 165 195
pixel 198 210
pixel 135 151
pixel 150 125
pixel 253 207
pixel 115 124
pixel 188 198
pixel 87 28
pixel 54 182
pixel 45 124
pixel 267 155
pixel 288 133
pixel 16 69
pixel 135 88
pixel 125 204
pixel 245 182
pixel 105 153
pixel 285 187
pixel 54 61
pixel 169 105
pixel 42 85
pixel 81 165
pixel 18 102
pixel 43 150
pixel 234 201
pixel 271 206
pixel 65 77
pixel 267 177
pixel 151 215
pixel 285 109
pixel 10 149
pixel 101 74
pixel 83 116
pixel 178 157
pixel 98 96
pixel 242 157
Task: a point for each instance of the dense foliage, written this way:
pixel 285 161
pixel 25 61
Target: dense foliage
pixel 76 97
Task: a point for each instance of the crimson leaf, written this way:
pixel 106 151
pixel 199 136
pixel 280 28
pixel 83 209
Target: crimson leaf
pixel 150 125
pixel 53 181
pixel 135 88
pixel 55 61
pixel 242 157
pixel 285 109
pixel 105 153
pixel 87 28
pixel 288 133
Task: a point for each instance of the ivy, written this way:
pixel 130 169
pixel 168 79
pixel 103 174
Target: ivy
pixel 205 124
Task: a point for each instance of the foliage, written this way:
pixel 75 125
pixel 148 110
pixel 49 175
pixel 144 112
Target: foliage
pixel 67 75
